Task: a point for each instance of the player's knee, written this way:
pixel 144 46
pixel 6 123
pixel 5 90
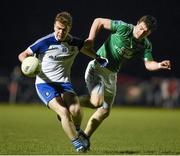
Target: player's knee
pixel 97 95
pixel 86 102
pixel 96 101
pixel 75 109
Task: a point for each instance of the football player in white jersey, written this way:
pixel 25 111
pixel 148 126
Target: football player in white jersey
pixel 57 52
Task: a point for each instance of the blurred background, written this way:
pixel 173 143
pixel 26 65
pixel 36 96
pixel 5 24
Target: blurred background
pixel 24 22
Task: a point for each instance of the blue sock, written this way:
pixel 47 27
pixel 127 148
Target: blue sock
pixel 77 143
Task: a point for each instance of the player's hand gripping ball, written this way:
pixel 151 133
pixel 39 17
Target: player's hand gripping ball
pixel 30 66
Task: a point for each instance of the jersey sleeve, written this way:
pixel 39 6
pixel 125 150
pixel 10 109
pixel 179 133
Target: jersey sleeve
pixel 117 25
pixel 39 46
pixel 148 52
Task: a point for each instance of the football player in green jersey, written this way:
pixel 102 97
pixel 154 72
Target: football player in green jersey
pixel 125 42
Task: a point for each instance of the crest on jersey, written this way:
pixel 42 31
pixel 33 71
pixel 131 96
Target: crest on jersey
pixel 61 47
pixel 47 94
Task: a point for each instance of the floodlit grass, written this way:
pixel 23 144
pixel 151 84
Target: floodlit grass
pixel 33 129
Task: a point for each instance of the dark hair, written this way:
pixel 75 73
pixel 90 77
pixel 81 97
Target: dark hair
pixel 64 17
pixel 150 21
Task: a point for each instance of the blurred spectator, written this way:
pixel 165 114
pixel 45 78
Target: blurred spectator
pixel 156 92
pixel 21 88
pixel 134 95
pixel 15 79
pixel 170 92
pixel 4 81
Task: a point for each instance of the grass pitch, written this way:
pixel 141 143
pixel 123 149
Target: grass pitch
pixel 33 129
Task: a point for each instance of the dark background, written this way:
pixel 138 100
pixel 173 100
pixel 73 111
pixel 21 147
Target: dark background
pixel 23 22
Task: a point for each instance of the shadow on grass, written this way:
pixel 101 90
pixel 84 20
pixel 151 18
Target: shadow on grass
pixel 117 152
pixel 162 153
pixel 131 152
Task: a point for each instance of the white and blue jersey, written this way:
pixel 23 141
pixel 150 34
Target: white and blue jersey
pixel 56 61
pixel 56 58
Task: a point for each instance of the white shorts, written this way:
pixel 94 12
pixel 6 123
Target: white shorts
pixel 95 75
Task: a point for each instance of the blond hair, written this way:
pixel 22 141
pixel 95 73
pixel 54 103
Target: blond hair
pixel 64 18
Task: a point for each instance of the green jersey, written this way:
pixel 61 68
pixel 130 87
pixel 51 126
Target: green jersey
pixel 121 46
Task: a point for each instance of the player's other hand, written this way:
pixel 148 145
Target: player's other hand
pixel 166 64
pixel 102 61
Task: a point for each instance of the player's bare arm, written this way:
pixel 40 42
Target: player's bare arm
pixel 98 24
pixel 154 65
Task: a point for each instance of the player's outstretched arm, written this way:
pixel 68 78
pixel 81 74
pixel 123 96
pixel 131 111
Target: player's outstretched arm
pixel 154 65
